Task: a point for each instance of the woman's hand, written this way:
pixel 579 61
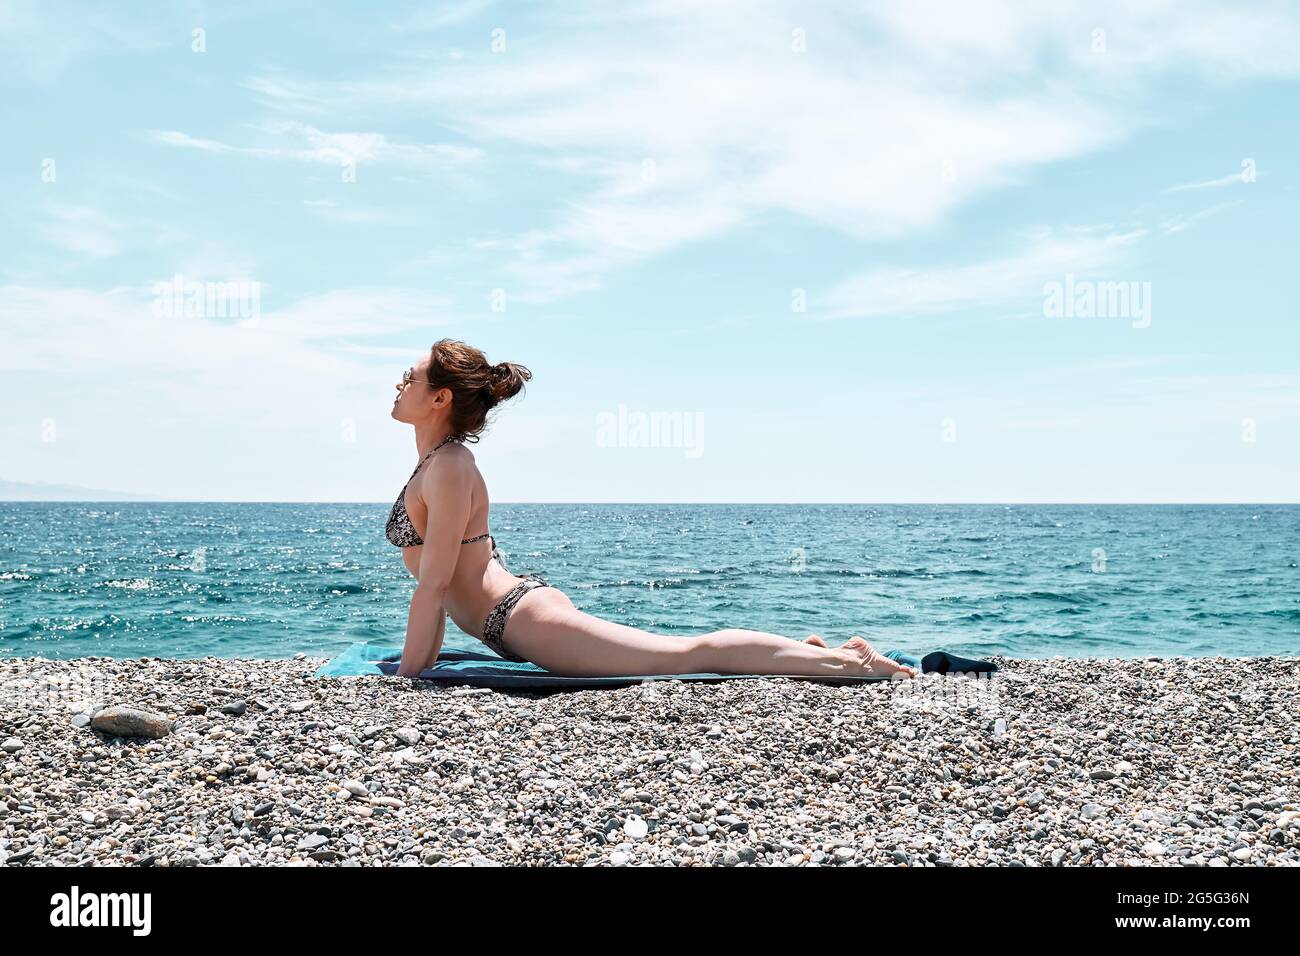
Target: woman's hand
pixel 423 635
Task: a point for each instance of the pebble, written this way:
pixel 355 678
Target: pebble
pixel 761 773
pixel 130 722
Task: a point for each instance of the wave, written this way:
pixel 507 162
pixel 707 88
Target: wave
pixel 1049 597
pixel 345 589
pixel 896 573
pixel 975 617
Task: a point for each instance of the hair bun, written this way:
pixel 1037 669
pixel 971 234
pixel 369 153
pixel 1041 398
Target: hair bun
pixel 506 380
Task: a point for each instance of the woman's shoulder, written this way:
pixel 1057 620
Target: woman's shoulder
pixel 457 452
pixel 454 461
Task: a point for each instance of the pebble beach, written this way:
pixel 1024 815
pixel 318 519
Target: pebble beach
pixel 1059 762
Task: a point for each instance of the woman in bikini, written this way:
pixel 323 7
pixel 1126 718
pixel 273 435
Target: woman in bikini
pixel 440 521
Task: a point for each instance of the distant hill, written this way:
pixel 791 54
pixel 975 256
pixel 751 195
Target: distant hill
pixel 43 491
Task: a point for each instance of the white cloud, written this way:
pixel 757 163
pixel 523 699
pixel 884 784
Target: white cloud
pixel 209 407
pixel 1114 38
pixel 1232 179
pixel 1046 254
pixel 115 330
pixel 43 40
pixel 311 145
pixel 893 116
pixel 1181 222
pixel 82 230
pixel 1210 396
pixel 360 312
pixel 444 15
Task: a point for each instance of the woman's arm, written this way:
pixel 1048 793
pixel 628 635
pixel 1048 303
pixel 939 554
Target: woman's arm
pixel 445 489
pixel 431 656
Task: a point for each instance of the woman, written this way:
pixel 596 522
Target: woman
pixel 440 521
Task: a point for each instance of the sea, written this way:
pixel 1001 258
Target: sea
pixel 191 580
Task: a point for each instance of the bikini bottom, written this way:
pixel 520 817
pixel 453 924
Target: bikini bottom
pixel 495 625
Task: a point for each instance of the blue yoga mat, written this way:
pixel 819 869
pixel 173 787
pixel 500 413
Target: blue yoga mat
pixel 488 670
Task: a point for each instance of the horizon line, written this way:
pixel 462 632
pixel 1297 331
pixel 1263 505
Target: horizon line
pixel 797 504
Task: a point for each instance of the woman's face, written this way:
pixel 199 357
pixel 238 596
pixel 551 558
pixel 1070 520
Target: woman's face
pixel 416 400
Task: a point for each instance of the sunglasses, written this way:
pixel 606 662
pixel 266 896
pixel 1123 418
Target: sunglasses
pixel 408 378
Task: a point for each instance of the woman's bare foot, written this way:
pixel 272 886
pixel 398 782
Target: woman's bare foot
pixel 814 639
pixel 873 662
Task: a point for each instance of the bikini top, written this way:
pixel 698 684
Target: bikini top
pixel 400 531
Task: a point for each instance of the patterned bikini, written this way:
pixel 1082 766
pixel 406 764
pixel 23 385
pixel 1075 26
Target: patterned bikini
pixel 402 534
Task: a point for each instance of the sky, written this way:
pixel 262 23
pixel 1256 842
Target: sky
pixel 751 252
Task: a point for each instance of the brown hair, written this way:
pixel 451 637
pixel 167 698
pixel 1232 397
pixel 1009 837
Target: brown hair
pixel 476 387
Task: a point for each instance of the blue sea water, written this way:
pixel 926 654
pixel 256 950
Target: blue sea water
pixel 191 580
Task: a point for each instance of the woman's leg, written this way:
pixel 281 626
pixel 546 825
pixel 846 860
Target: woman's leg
pixel 737 651
pixel 548 630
